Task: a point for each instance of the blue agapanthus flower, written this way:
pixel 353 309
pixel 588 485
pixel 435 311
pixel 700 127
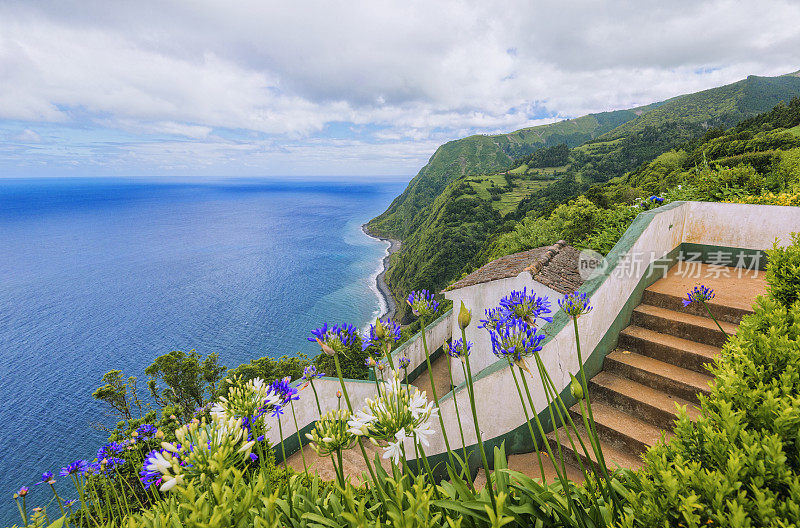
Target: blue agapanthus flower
pixel 656 199
pixel 47 477
pixel 699 294
pixel 422 303
pixel 515 339
pixel 336 338
pixel 310 373
pixel 403 362
pixel 284 390
pixel 69 503
pixel 146 431
pixel 383 332
pixel 575 304
pixel 457 349
pixel 109 450
pixel 79 466
pixel 529 307
pixel 494 318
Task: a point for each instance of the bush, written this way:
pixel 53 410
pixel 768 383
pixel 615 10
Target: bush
pixel 351 362
pixel 783 272
pixel 739 463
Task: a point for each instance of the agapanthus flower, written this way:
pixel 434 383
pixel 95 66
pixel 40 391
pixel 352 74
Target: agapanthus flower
pixel 699 294
pixel 656 199
pixel 310 373
pixel 202 450
pixel 494 318
pixel 331 433
pixel 79 466
pixel 403 362
pixel 457 349
pixel 384 332
pixel 47 477
pixel 575 304
pixel 146 431
pixel 370 362
pixel 394 449
pixel 282 388
pixel 528 307
pixel 109 450
pixel 247 401
pixel 422 303
pixel 395 412
pixel 107 465
pixel 23 491
pixel 515 339
pixel 150 474
pixel 335 339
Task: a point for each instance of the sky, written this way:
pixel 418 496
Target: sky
pixel 356 88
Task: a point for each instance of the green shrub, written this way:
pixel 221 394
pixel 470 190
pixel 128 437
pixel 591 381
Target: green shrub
pixel 783 272
pixel 351 362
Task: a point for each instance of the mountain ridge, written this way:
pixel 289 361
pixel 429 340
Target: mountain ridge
pixel 452 208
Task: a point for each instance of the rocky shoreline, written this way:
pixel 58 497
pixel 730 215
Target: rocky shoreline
pixel 383 287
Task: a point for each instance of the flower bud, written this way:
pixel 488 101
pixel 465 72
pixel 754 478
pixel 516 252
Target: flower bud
pixel 464 316
pixel 338 394
pixel 576 388
pixel 380 330
pixel 325 348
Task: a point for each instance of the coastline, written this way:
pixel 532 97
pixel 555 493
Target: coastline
pixel 382 286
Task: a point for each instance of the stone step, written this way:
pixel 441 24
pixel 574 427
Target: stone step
pixel 674 301
pixel 613 456
pixel 624 431
pixel 665 377
pixel 646 403
pixel 683 325
pixel 667 348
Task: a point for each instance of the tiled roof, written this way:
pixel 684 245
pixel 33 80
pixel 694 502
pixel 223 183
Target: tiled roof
pixel 554 266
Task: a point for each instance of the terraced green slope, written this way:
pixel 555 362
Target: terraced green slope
pixel 481 155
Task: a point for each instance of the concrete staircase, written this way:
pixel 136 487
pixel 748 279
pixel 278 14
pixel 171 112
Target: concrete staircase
pixel 660 363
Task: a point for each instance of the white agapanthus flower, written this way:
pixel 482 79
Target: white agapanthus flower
pixel 202 448
pixel 245 400
pixel 394 449
pixel 395 415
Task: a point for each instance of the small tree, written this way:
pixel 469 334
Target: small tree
pixel 120 394
pixel 189 383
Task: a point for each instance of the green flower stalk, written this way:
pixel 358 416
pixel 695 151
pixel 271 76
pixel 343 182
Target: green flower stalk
pixel 464 319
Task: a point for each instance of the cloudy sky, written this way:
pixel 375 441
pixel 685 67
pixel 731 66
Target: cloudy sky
pixel 332 88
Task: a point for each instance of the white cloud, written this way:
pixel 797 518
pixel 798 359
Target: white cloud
pixel 405 73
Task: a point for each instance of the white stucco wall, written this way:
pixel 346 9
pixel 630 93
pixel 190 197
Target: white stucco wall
pixel 436 334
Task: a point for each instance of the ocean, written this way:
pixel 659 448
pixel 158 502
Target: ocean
pixel 101 274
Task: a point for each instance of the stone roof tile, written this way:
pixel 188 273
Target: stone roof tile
pixel 554 266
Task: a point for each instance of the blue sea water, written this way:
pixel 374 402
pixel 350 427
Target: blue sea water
pixel 108 274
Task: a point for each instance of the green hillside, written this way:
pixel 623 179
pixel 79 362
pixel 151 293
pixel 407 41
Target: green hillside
pixel 480 154
pixel 451 211
pixel 718 107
